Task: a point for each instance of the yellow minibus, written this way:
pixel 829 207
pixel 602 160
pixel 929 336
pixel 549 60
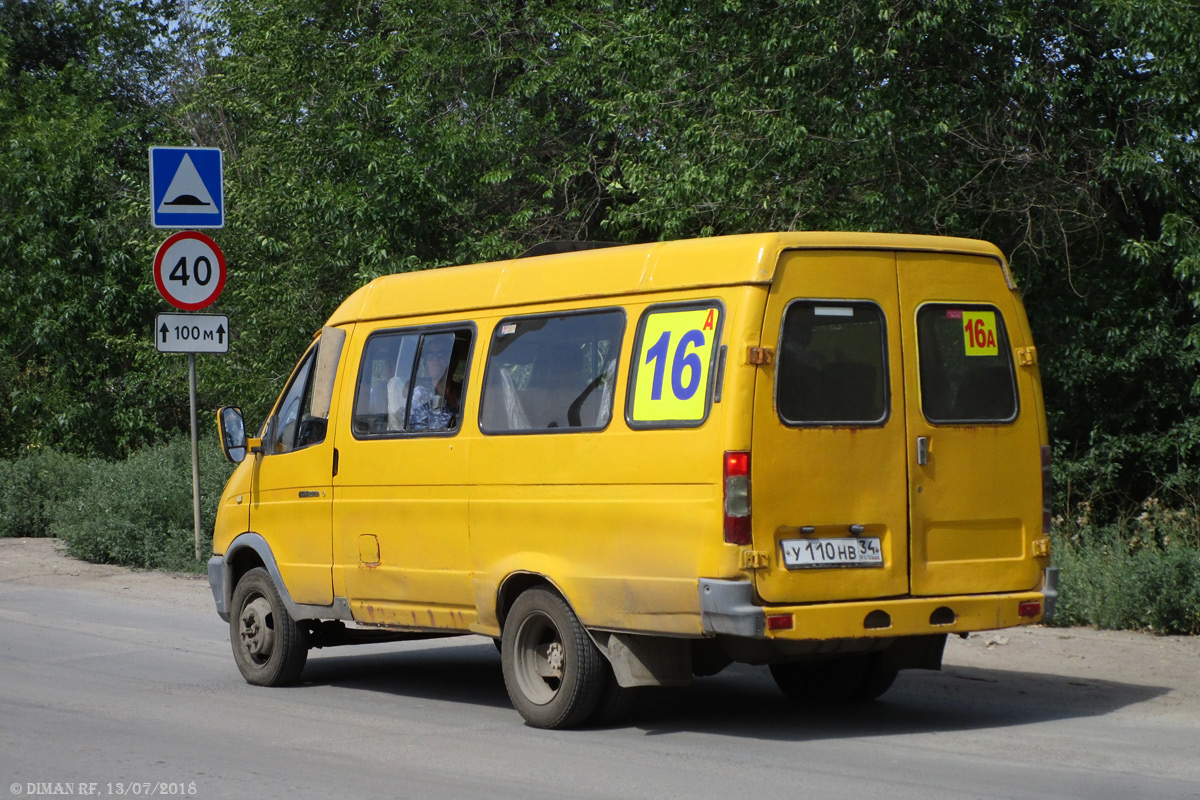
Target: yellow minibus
pixel 631 465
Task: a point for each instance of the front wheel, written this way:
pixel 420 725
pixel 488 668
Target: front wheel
pixel 554 673
pixel 269 647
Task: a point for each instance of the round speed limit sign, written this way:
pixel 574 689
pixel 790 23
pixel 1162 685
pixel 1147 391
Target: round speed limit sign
pixel 189 271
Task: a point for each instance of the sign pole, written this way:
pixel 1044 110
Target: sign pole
pixel 195 450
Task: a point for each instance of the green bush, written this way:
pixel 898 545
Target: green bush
pixel 138 512
pixel 1141 574
pixel 33 486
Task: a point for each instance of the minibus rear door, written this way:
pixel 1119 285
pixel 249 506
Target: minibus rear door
pixel 828 473
pixel 973 434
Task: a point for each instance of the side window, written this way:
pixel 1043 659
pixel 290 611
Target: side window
pixel 411 382
pixel 832 364
pixel 674 366
pixel 965 364
pixel 552 373
pixel 302 416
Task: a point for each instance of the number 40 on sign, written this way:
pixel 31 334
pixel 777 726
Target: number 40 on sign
pixel 189 271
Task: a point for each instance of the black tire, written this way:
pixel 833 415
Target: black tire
pixel 269 647
pixel 821 684
pixel 616 701
pixel 553 672
pixel 877 680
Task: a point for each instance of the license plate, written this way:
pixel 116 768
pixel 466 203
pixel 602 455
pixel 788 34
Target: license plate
pixel 815 553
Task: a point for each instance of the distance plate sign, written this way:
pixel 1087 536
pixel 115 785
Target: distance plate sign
pixel 191 333
pixel 189 271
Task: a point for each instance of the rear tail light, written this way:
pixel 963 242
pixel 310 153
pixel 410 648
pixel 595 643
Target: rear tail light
pixel 780 622
pixel 1046 488
pixel 736 469
pixel 1029 608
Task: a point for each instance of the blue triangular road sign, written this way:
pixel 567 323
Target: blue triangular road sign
pixel 186 188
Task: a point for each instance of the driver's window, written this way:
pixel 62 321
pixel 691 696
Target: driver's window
pixel 302 416
pixel 283 430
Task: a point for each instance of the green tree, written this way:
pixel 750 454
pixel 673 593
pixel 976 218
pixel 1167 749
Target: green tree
pixel 358 144
pixel 81 88
pixel 1065 132
pixel 374 138
pixel 362 139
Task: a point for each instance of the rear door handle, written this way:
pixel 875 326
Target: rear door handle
pixel 922 450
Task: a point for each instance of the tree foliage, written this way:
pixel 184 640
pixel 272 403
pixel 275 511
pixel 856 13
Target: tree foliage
pixel 368 138
pixel 80 91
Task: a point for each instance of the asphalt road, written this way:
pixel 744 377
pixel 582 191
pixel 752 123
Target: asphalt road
pixel 124 683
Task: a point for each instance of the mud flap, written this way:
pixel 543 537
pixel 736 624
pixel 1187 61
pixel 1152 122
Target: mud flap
pixel 646 660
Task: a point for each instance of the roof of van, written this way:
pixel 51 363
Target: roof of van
pixel 614 271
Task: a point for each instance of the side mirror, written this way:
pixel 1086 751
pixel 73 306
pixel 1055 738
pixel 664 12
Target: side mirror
pixel 233 433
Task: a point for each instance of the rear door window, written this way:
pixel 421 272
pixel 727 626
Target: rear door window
pixel 966 366
pixel 832 366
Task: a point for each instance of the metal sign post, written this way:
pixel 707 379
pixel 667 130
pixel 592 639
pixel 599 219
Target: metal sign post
pixel 195 451
pixel 191 334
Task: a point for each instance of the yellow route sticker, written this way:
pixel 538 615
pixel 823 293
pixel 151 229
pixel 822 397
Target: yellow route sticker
pixel 979 333
pixel 673 363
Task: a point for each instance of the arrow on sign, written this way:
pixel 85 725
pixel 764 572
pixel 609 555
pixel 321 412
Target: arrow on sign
pixel 163 330
pixel 220 335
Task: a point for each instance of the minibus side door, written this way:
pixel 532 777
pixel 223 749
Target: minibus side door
pixel 291 497
pixel 400 520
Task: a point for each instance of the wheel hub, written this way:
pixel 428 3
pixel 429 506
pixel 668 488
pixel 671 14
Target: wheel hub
pixel 256 627
pixel 540 658
pixel 554 658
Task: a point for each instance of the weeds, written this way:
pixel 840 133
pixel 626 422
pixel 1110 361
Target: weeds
pixel 1141 573
pixel 136 513
pixel 34 486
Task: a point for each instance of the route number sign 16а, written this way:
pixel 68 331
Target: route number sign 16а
pixel 189 271
pixel 979 333
pixel 674 363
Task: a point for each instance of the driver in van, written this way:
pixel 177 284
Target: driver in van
pixel 435 397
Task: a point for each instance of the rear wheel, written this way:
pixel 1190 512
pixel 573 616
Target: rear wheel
pixel 821 683
pixel 616 701
pixel 269 647
pixel 877 680
pixel 554 674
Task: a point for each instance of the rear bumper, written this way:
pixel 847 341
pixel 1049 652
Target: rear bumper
pixel 728 607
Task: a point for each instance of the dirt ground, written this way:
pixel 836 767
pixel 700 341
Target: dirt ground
pixel 1083 656
pixel 40 562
